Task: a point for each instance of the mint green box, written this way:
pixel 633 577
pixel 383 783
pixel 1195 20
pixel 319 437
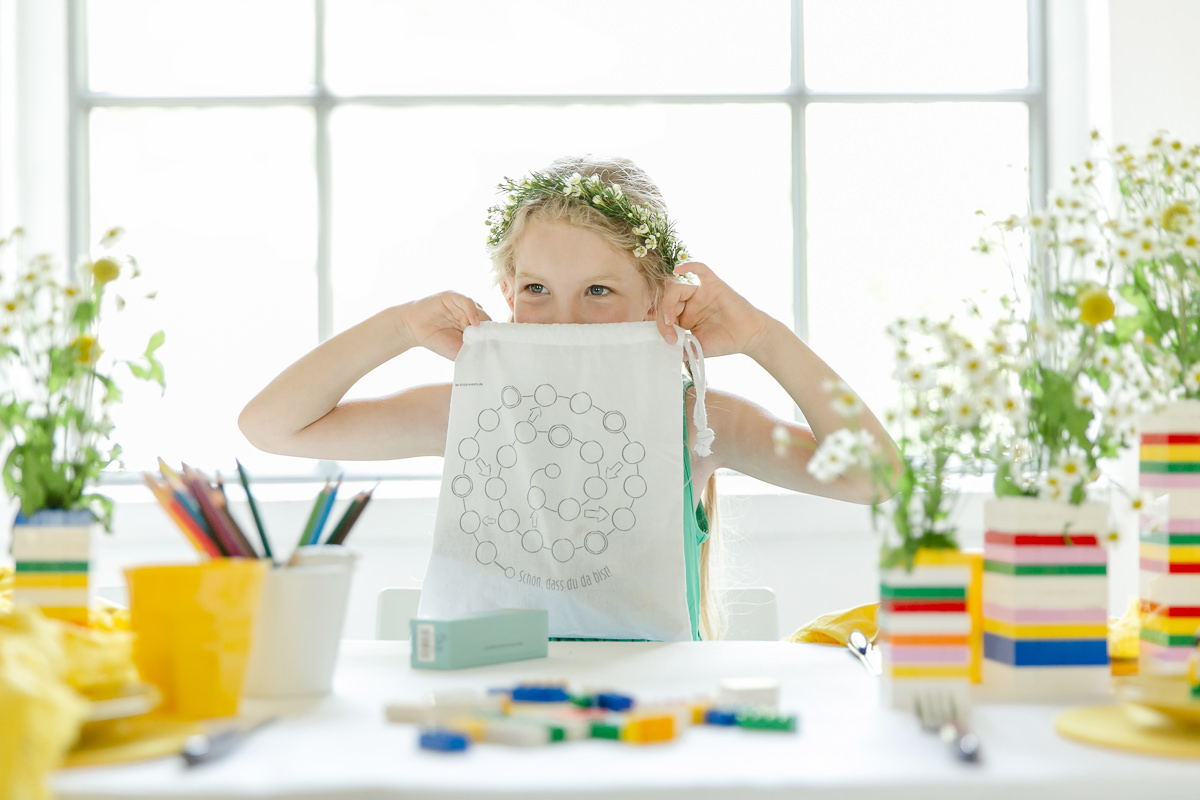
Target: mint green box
pixel 487 637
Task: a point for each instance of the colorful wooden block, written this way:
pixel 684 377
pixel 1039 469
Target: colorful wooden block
pixel 1169 536
pixel 52 552
pixel 1045 598
pixel 927 626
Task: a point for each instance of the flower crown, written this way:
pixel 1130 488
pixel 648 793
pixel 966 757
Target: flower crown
pixel 657 231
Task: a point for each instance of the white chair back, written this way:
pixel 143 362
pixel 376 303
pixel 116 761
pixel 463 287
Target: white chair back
pixel 393 610
pixel 753 614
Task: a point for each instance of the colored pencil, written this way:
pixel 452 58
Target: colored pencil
pixel 197 537
pixel 183 495
pixel 318 504
pixel 351 515
pixel 314 535
pixel 222 524
pixel 258 523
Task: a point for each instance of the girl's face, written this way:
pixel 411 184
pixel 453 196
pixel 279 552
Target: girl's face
pixel 569 274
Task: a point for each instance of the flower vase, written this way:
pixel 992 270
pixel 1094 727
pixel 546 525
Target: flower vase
pixel 1045 599
pixel 1169 538
pixel 51 549
pixel 927 629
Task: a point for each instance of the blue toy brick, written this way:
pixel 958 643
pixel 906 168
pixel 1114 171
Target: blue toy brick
pixel 443 741
pixel 613 701
pixel 1045 652
pixel 720 716
pixel 540 694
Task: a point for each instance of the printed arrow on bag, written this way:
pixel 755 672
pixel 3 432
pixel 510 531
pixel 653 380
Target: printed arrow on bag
pixel 615 469
pixel 600 514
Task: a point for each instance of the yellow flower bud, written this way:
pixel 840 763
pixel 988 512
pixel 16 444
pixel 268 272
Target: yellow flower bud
pixel 86 349
pixel 1095 306
pixel 105 270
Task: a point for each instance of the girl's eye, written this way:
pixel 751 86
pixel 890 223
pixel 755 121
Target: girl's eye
pixel 598 291
pixel 535 288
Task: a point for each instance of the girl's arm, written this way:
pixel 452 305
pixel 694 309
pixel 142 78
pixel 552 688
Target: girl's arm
pixel 724 322
pixel 301 413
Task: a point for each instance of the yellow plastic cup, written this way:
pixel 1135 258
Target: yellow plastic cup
pixel 193 626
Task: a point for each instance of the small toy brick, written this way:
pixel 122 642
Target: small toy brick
pixel 720 716
pixel 444 741
pixel 649 728
pixel 749 692
pixel 614 702
pixel 607 729
pixel 766 720
pixel 439 706
pixel 517 733
pixel 699 708
pixel 540 694
pixel 472 727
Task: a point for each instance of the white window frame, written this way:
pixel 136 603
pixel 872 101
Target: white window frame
pixel 44 135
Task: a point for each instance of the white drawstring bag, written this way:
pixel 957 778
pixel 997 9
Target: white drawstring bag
pixel 563 480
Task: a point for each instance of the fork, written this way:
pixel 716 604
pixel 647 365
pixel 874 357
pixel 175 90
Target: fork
pixel 938 713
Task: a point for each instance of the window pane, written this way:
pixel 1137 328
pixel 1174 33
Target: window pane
pixel 219 208
pixel 224 47
pixel 413 186
pixel 915 46
pixel 548 46
pixel 891 221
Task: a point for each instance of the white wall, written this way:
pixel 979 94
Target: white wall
pixel 1154 68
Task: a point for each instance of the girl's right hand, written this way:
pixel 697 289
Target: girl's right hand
pixel 437 322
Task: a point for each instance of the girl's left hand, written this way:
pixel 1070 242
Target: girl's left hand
pixel 722 320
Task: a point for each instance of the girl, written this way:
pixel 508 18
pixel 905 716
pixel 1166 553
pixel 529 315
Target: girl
pixel 587 240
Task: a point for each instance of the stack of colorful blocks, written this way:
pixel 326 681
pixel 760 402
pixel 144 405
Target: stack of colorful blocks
pixel 1045 599
pixel 52 565
pixel 925 627
pixel 537 714
pixel 1169 545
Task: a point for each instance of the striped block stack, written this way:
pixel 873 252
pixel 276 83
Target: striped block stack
pixel 1169 538
pixel 925 627
pixel 51 551
pixel 1045 599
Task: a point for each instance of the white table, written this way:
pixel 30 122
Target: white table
pixel 848 746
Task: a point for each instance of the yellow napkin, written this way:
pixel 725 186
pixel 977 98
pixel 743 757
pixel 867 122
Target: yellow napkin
pixel 46 669
pixel 835 627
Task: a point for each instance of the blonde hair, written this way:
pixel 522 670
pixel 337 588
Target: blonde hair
pixel 640 189
pixel 636 185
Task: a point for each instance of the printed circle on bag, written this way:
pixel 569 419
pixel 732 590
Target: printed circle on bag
pixel 548 478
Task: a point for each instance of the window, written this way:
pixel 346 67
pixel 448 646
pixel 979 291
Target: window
pixel 288 174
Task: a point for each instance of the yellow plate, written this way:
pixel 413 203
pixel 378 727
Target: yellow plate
pixel 1169 695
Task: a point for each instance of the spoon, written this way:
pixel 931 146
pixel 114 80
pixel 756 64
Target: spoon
pixel 859 646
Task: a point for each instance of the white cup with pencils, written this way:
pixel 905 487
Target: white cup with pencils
pixel 299 624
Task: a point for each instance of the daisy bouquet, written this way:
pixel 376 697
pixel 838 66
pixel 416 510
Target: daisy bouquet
pixel 1085 374
pixel 58 383
pixel 1153 239
pixel 953 406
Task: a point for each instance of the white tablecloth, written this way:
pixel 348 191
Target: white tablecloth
pixel 847 746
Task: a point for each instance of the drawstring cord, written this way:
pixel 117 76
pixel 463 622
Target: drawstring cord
pixel 695 358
